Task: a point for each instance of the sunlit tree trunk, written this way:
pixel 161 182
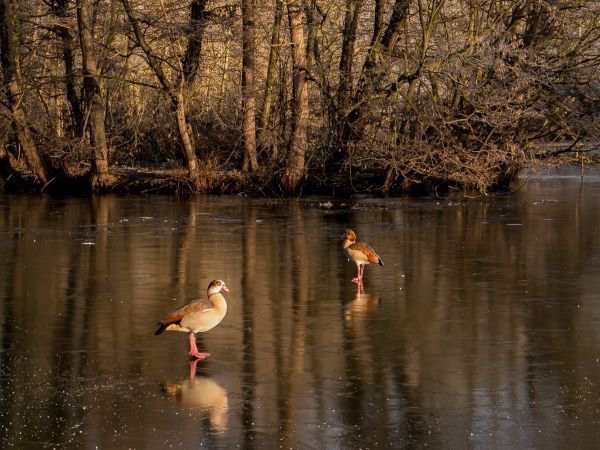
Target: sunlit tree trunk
pixel 185 137
pixel 13 89
pixel 248 96
pixel 270 83
pixel 294 170
pixel 100 177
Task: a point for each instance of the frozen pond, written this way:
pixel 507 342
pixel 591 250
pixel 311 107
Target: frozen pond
pixel 482 330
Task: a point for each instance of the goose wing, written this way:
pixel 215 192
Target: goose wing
pixel 368 252
pixel 194 306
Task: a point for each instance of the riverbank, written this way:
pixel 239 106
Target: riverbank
pixel 142 181
pixel 145 178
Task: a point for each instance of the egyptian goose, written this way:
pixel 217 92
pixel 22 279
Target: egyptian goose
pixel 360 253
pixel 197 316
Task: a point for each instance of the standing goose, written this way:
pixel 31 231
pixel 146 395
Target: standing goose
pixel 360 253
pixel 197 316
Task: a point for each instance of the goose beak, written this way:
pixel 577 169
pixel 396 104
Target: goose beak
pixel 224 288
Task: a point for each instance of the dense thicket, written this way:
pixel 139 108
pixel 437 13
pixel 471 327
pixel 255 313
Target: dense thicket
pixel 278 96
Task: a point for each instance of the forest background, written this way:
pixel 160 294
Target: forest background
pixel 293 96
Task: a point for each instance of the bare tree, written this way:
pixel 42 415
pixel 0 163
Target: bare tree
pixel 9 57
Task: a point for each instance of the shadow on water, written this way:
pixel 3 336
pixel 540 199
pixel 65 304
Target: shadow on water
pixel 482 329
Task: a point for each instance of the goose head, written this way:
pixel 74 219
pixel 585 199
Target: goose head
pixel 216 286
pixel 349 235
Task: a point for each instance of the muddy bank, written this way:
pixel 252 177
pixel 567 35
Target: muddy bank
pixel 143 180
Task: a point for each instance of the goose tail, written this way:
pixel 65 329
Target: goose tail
pixel 160 329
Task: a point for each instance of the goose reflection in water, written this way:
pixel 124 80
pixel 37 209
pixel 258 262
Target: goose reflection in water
pixel 363 305
pixel 203 393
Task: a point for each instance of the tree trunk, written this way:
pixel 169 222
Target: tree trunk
pixel 12 85
pixel 72 97
pixel 265 116
pixel 345 87
pixel 347 56
pixel 63 31
pixel 100 177
pixel 248 97
pixel 294 170
pixel 191 60
pixel 311 33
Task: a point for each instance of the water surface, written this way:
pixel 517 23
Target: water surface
pixel 482 329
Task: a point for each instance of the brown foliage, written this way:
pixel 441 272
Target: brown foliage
pixel 402 94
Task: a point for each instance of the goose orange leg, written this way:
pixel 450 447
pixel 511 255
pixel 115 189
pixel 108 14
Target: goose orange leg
pixel 194 349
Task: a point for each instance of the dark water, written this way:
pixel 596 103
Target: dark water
pixel 482 330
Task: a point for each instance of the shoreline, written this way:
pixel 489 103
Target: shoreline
pixel 174 181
